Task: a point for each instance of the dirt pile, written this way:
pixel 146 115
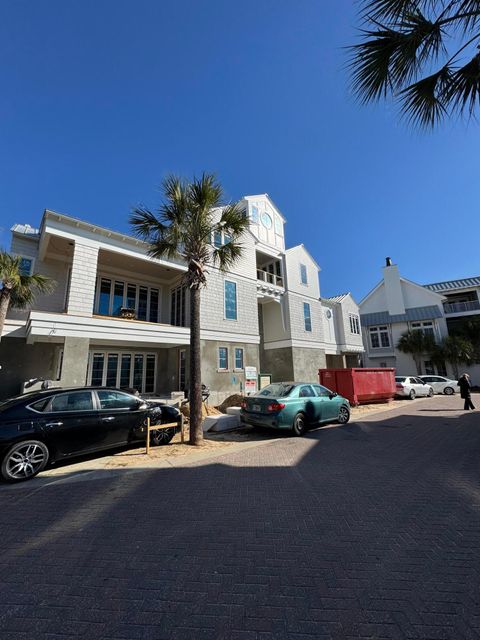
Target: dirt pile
pixel 232 401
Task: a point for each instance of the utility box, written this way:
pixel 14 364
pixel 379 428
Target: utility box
pixel 360 386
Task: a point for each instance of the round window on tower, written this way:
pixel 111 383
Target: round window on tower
pixel 266 220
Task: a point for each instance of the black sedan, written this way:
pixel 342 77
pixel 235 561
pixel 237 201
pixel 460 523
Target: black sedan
pixel 45 426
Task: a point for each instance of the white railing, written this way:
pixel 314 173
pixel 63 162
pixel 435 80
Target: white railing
pixel 270 278
pixel 461 307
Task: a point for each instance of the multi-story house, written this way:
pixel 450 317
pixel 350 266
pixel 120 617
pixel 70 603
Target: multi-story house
pixel 397 305
pixel 119 317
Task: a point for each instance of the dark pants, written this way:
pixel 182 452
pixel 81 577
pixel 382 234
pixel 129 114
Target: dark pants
pixel 468 404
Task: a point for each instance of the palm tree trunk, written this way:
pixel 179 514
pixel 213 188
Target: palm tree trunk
pixel 4 302
pixel 195 393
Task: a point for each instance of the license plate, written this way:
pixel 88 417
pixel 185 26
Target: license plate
pixel 257 408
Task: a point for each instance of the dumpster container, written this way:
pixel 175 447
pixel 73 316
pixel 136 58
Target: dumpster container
pixel 360 386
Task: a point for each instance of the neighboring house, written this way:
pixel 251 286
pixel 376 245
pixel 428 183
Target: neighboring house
pixel 342 331
pixel 118 317
pixel 397 305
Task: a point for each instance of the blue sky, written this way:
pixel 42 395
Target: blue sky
pixel 99 100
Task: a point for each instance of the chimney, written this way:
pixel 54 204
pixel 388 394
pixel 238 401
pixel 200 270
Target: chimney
pixel 393 289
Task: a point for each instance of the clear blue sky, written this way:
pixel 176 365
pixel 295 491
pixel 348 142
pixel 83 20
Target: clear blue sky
pixel 99 100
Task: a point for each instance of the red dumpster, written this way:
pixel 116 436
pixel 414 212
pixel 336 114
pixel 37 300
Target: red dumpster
pixel 360 386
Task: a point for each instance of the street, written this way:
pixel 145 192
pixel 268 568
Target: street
pixel 368 530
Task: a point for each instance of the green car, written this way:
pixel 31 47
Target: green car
pixel 295 406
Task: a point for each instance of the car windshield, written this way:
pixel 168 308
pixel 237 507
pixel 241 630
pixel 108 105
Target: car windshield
pixel 276 390
pixel 400 379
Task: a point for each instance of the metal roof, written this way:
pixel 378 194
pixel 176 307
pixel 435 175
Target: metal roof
pixel 338 298
pixel 454 284
pixel 410 315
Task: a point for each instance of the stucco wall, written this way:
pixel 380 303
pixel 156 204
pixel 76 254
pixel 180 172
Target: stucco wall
pixel 225 383
pixel 21 361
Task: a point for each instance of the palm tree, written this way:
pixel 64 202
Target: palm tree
pixel 423 53
pixel 457 350
pixel 183 228
pixel 416 343
pixel 18 290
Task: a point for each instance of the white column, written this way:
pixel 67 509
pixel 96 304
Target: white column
pixel 82 280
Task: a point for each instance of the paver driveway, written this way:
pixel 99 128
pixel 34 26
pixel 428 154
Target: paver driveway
pixel 371 530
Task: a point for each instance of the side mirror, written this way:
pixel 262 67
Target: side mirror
pixel 334 394
pixel 142 406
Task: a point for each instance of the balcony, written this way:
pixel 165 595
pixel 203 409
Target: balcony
pixel 269 278
pixel 461 307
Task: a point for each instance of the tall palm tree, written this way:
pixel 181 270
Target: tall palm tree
pixel 423 53
pixel 18 290
pixel 182 228
pixel 416 343
pixel 457 350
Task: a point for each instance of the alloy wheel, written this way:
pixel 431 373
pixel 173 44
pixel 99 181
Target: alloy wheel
pixel 25 460
pixel 343 415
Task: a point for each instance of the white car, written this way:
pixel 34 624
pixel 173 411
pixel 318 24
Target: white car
pixel 441 384
pixel 411 387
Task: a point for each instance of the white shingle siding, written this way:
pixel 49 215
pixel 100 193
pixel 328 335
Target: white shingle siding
pixel 82 282
pixel 294 257
pixel 349 306
pixel 213 306
pixel 297 320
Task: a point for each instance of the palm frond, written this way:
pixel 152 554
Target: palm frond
pixel 423 103
pixel 145 223
pixel 389 58
pixel 226 255
pixel 463 92
pixel 392 10
pixel 233 220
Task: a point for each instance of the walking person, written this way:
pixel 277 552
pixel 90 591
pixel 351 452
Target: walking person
pixel 465 391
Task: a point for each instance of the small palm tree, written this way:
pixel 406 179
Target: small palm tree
pixel 457 350
pixel 18 290
pixel 416 343
pixel 423 53
pixel 183 228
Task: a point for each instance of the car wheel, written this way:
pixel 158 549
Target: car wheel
pixel 299 426
pixel 24 460
pixel 343 415
pixel 161 436
pixel 412 395
pixel 448 391
pixel 430 393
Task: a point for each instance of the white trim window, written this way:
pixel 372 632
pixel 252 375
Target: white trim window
pixel 26 265
pixel 178 305
pixel 220 238
pixel 427 327
pixel 354 323
pixel 230 300
pixel 223 358
pixel 112 295
pixel 307 317
pixel 122 369
pixel 238 359
pixel 379 337
pixel 303 274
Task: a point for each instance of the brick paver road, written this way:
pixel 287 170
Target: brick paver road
pixel 371 530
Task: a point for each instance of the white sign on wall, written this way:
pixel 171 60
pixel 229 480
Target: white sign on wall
pixel 250 373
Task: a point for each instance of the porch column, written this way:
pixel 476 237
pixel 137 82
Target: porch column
pixel 83 276
pixel 75 362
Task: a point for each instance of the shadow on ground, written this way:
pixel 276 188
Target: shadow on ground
pixel 368 530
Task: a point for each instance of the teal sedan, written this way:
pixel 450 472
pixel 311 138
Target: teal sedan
pixel 295 406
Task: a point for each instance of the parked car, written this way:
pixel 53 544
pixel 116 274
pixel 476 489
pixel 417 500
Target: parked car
pixel 440 384
pixel 43 427
pixel 295 406
pixel 411 387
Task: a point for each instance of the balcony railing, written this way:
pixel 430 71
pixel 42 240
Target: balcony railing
pixel 461 307
pixel 269 278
